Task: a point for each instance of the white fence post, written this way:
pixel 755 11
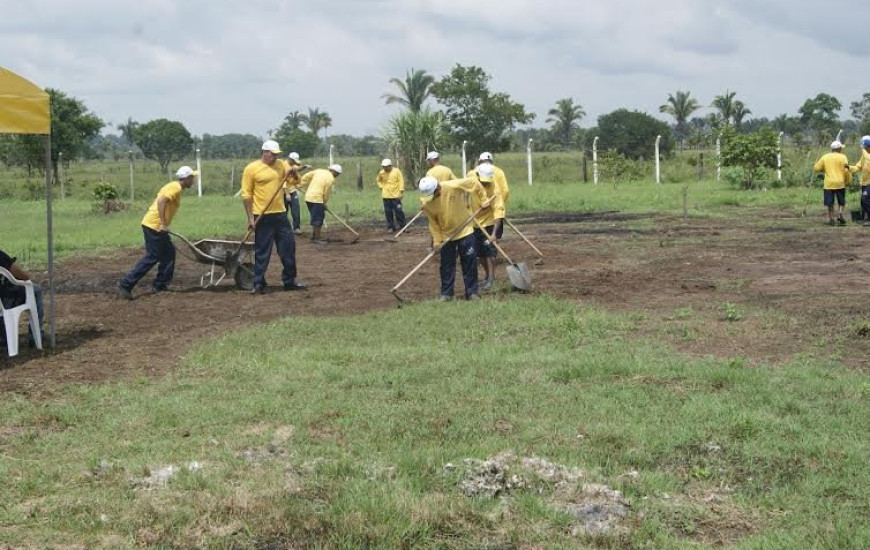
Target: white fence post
pixel 60 175
pixel 658 161
pixel 132 191
pixel 330 155
pixel 464 163
pixel 718 159
pixel 595 160
pixel 198 175
pixel 779 157
pixel 529 159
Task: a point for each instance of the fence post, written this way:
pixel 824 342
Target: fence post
pixel 718 159
pixel 359 177
pixel 232 177
pixel 658 161
pixel 60 175
pixel 198 175
pixel 464 162
pixel 779 157
pixel 700 166
pixel 132 189
pixel 585 172
pixel 529 159
pixel 595 160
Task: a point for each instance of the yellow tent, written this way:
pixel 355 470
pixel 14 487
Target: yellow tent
pixel 25 108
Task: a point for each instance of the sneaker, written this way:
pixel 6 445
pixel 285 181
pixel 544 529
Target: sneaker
pixel 258 290
pixel 445 298
pixel 124 292
pixel 866 224
pixel 841 220
pixel 473 298
pixel 319 241
pixel 297 231
pixel 295 285
pixel 391 230
pixel 487 284
pixel 156 289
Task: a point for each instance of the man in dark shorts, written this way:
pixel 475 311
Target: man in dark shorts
pixel 835 166
pixel 486 251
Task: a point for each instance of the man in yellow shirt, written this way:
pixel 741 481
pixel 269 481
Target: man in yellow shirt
pixel 504 191
pixel 447 209
pixel 436 169
pixel 261 180
pixel 159 249
pixel 863 166
pixel 392 185
pixel 486 251
pixel 319 183
pixel 291 189
pixel 835 165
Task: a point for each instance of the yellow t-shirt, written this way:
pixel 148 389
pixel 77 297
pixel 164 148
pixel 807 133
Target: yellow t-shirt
pixel 319 184
pixel 259 181
pixel 449 210
pixel 503 189
pixel 863 166
pixel 440 173
pixel 172 192
pixel 392 183
pixel 497 210
pixel 835 166
pixel 293 178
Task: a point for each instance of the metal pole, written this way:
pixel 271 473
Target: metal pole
pixel 718 159
pixel 330 154
pixel 60 175
pixel 198 175
pixel 464 162
pixel 232 177
pixel 839 135
pixel 50 231
pixel 595 160
pixel 359 176
pixel 132 192
pixel 779 157
pixel 529 159
pixel 658 161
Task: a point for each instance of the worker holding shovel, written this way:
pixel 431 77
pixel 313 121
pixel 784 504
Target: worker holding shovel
pixel 449 224
pixel 267 217
pixel 291 189
pixel 319 183
pixel 392 185
pixel 501 185
pixel 159 249
pixel 488 222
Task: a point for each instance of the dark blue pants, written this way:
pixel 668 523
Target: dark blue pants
pixel 394 214
pixel 293 207
pixel 158 250
pixel 467 250
pixel 865 201
pixel 274 228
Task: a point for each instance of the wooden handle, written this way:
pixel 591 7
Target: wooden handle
pixel 489 238
pixel 256 221
pixel 349 228
pixel 535 248
pixel 407 225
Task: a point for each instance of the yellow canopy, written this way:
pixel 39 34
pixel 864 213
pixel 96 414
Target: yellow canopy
pixel 24 106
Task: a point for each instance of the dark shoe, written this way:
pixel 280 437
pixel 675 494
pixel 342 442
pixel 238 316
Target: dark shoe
pixel 258 290
pixel 487 284
pixel 841 220
pixel 319 241
pixel 866 224
pixel 473 298
pixel 157 289
pixel 297 231
pixel 124 292
pixel 296 285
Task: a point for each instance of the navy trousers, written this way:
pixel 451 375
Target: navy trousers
pixel 394 214
pixel 159 250
pixel 293 207
pixel 467 250
pixel 865 202
pixel 274 228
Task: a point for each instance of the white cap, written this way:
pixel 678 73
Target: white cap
pixel 865 141
pixel 293 156
pixel 433 155
pixel 485 172
pixel 428 186
pixel 836 145
pixel 271 146
pixel 184 172
pixel 335 168
pixel 485 156
pixel 386 162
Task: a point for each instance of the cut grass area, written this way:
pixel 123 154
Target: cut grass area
pixel 338 432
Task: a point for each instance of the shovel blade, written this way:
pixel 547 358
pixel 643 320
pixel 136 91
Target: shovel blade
pixel 520 276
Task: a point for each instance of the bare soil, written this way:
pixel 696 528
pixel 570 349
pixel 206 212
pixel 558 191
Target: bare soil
pixel 760 291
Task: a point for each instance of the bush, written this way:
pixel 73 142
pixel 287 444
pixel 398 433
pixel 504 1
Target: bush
pixel 106 196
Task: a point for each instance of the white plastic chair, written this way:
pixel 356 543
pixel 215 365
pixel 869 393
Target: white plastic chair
pixel 12 315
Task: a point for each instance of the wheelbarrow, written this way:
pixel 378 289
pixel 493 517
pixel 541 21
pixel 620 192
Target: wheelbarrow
pixel 213 253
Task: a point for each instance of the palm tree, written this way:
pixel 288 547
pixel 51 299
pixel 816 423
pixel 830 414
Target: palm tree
pixel 294 120
pixel 326 124
pixel 315 120
pixel 413 91
pixel 565 117
pixel 128 130
pixel 680 106
pixel 725 104
pixel 740 112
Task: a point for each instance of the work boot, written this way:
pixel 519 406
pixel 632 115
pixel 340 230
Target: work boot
pixel 258 290
pixel 297 231
pixel 473 298
pixel 487 283
pixel 296 285
pixel 124 292
pixel 445 298
pixel 841 220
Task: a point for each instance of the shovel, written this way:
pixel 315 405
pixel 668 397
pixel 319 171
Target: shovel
pixel 395 237
pixel 344 223
pixel 540 260
pixel 231 264
pixel 519 274
pixel 429 256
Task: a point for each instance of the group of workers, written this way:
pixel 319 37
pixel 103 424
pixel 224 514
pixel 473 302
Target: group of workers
pixel 465 217
pixel 838 176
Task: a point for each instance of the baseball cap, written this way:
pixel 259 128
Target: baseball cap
pixel 428 185
pixel 865 141
pixel 485 156
pixel 184 172
pixel 272 146
pixel 293 156
pixel 485 172
pixel 386 162
pixel 836 145
pixel 335 168
pixel 433 155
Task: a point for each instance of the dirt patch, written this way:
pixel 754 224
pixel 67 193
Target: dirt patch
pixel 795 287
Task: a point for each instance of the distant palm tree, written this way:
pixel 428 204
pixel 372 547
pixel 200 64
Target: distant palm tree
pixel 413 91
pixel 294 120
pixel 680 106
pixel 128 130
pixel 725 104
pixel 326 124
pixel 316 120
pixel 565 117
pixel 740 112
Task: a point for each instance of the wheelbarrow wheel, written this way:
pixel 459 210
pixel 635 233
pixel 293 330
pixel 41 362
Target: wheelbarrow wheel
pixel 245 276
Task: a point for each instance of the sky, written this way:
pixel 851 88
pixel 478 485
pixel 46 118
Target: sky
pixel 225 66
